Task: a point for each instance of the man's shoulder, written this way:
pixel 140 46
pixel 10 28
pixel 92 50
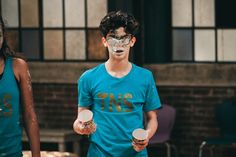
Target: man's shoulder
pixel 141 70
pixel 92 72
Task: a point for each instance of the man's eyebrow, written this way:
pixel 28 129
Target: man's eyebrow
pixel 111 35
pixel 118 37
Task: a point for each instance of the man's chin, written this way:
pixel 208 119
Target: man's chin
pixel 118 54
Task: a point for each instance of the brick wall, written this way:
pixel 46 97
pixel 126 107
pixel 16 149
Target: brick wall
pixel 56 106
pixel 195 115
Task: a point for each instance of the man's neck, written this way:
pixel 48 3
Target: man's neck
pixel 118 68
pixel 116 65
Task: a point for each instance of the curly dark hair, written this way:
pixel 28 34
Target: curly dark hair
pixel 5 50
pixel 114 20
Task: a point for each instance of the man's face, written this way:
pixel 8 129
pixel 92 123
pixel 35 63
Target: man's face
pixel 119 43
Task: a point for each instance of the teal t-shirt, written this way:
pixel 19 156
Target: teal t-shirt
pixel 117 105
pixel 10 125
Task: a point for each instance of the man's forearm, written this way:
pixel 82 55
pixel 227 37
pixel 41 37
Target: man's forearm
pixel 152 123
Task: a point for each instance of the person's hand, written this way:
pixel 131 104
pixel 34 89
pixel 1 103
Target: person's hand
pixel 140 145
pixel 84 130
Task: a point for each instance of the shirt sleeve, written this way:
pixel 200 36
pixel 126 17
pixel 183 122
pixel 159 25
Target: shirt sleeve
pixel 152 97
pixel 84 94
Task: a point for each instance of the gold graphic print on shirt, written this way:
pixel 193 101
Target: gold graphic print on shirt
pixel 116 102
pixel 6 106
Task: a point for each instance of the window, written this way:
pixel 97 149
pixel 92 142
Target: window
pixel 61 30
pixel 198 35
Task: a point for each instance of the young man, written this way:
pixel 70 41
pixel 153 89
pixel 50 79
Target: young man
pixel 117 92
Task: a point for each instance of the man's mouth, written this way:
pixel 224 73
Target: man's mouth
pixel 119 51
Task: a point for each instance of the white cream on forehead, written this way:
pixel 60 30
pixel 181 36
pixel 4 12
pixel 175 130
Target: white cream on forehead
pixel 118 32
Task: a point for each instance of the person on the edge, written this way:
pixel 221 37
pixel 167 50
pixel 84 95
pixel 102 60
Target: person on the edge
pixel 16 99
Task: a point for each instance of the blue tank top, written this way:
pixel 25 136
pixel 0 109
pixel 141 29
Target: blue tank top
pixel 10 125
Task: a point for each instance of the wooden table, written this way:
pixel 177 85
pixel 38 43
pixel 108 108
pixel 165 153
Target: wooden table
pixel 61 137
pixel 50 154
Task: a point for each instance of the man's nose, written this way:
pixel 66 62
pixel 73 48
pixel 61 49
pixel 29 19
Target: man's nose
pixel 119 43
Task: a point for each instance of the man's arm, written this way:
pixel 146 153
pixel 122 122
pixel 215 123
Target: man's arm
pixel 152 123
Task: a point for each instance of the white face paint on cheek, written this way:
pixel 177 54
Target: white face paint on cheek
pixel 119 48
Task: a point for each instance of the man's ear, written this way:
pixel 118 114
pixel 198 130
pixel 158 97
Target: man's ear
pixel 104 41
pixel 133 40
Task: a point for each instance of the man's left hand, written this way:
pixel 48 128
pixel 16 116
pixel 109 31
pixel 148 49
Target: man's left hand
pixel 140 145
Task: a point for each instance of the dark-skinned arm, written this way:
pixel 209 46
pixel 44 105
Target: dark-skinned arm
pixel 22 74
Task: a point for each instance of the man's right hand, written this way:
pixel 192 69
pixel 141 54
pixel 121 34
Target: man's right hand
pixel 80 129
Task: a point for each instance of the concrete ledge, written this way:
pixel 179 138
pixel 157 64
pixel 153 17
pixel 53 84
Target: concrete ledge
pixel 176 74
pixel 194 74
pixel 57 72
